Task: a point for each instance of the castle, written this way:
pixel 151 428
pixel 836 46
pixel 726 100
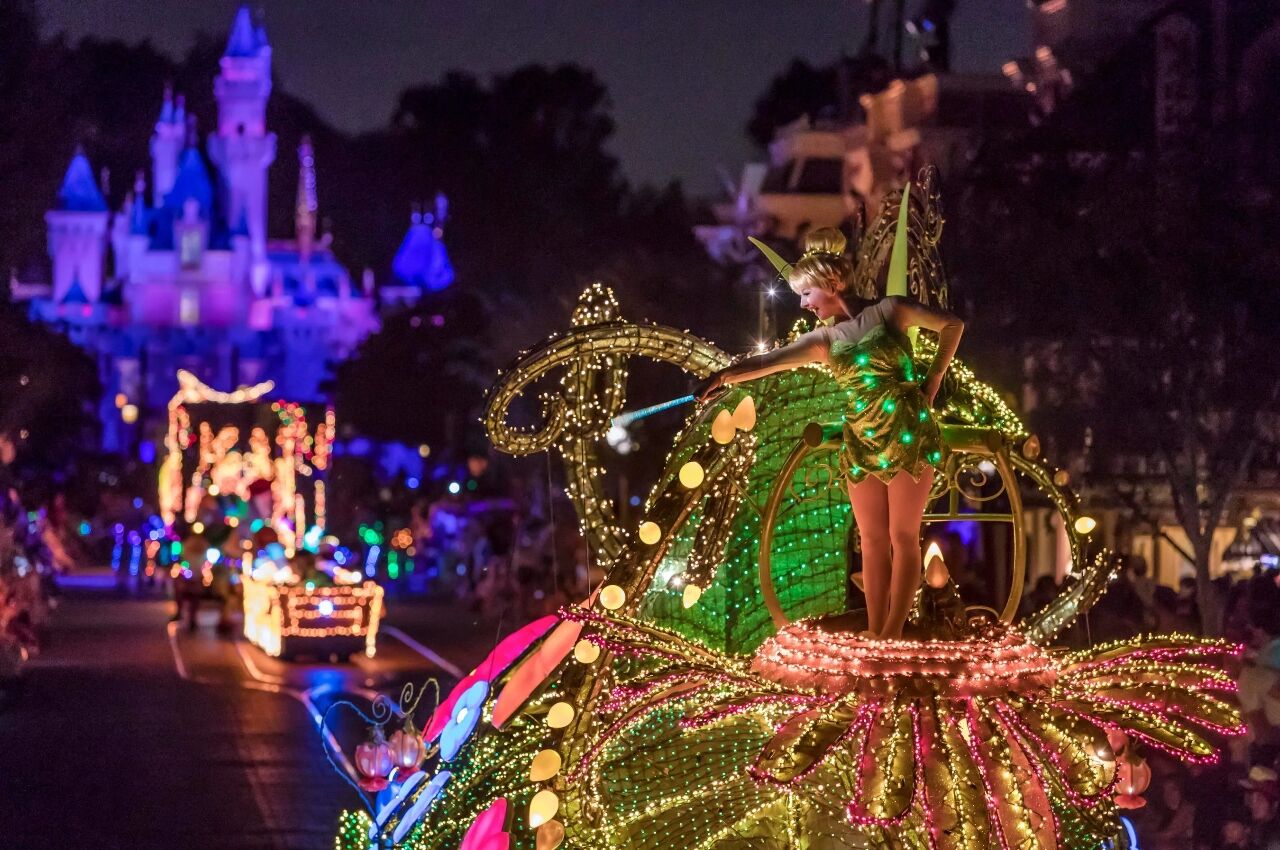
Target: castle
pixel 187 278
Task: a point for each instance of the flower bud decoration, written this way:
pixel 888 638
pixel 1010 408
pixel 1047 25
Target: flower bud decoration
pixel 375 761
pixel 1134 778
pixel 407 749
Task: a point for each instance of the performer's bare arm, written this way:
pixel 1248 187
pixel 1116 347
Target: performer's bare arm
pixel 909 313
pixel 808 348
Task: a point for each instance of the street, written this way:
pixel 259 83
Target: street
pixel 133 733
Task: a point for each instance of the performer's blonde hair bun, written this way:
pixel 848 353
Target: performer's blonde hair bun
pixel 823 265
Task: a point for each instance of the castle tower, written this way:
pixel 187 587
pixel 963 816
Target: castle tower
pixel 241 146
pixel 166 144
pixel 78 235
pixel 304 215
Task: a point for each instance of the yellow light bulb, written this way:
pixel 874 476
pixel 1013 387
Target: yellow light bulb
pixel 722 428
pixel 560 715
pixel 543 807
pixel 935 567
pixel 744 415
pixel 692 593
pixel 691 474
pixel 650 533
pixel 586 651
pixel 612 597
pixel 550 835
pixel 545 765
pixel 1085 524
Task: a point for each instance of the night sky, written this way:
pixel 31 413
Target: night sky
pixel 683 74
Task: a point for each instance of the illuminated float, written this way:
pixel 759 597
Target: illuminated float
pixel 261 466
pixel 715 694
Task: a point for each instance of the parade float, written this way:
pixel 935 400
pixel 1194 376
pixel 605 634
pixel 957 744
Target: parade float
pixel 715 692
pixel 244 477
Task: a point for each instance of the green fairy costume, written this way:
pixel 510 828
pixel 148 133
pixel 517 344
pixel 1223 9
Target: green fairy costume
pixel 888 426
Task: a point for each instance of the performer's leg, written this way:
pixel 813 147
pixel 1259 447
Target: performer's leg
pixel 907 500
pixel 870 502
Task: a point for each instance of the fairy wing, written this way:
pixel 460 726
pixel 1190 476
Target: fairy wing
pixel 925 278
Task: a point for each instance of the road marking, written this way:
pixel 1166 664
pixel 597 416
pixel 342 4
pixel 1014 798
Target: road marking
pixel 172 629
pixel 425 652
pixel 262 682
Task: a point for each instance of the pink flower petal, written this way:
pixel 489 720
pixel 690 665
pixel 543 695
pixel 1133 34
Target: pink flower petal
pixel 534 670
pixel 488 830
pixel 503 656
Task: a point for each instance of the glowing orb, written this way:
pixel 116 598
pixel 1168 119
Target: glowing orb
pixel 650 533
pixel 691 474
pixel 1085 524
pixel 543 807
pixel 586 652
pixel 935 569
pixel 692 593
pixel 722 428
pixel 560 715
pixel 550 835
pixel 613 597
pixel 545 765
pixel 744 415
pixel 325 608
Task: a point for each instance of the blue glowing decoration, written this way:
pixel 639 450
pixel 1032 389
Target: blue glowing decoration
pixel 117 549
pixel 455 488
pixel 420 805
pixel 371 561
pixel 85 528
pixel 463 720
pixel 1130 832
pixel 135 553
pixel 325 608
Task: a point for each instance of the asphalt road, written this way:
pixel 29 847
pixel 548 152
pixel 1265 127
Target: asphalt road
pixel 133 734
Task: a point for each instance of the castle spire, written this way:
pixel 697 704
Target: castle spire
pixel 245 38
pixel 79 191
pixel 166 106
pixel 306 207
pixel 241 146
pixel 166 145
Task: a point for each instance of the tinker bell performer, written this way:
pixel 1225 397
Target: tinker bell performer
pixel 891 444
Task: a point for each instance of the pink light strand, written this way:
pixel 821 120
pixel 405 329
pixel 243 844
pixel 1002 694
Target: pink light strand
pixel 1181 755
pixel 864 717
pixel 1169 710
pixel 1035 748
pixel 993 811
pixel 725 711
pixel 855 810
pixel 621 726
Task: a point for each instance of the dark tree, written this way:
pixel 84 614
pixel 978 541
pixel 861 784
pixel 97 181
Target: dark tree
pixel 423 377
pixel 48 396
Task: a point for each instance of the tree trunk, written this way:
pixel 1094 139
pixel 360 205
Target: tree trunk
pixel 1207 598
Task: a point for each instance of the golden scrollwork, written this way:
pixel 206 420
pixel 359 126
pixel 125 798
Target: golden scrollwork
pixel 590 360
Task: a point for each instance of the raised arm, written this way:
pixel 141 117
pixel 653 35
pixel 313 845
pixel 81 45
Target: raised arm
pixel 812 347
pixel 909 313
